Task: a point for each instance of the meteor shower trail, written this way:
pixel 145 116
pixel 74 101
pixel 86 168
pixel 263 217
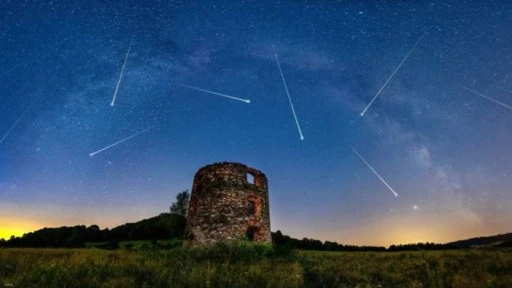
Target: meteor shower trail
pixel 373 170
pixel 393 74
pixel 121 75
pixel 15 123
pixel 119 142
pixel 289 98
pixel 482 95
pixel 215 93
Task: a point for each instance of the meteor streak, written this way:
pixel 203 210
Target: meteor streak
pixel 119 142
pixel 289 98
pixel 121 75
pixel 393 74
pixel 373 170
pixel 482 95
pixel 215 93
pixel 15 123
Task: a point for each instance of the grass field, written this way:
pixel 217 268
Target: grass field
pixel 244 265
pixel 137 244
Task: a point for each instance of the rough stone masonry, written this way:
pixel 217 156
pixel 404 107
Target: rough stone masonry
pixel 229 201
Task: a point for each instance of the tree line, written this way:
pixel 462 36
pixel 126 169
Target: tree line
pixel 311 244
pixel 172 225
pixel 161 227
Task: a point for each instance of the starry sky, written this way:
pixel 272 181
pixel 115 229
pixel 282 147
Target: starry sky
pixel 438 133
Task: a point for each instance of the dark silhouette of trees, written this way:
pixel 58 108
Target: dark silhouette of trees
pixel 162 227
pixel 311 244
pixel 69 237
pixel 420 246
pixel 172 226
pixel 180 207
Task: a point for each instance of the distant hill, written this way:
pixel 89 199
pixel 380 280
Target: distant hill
pixel 163 226
pixel 507 244
pixel 500 240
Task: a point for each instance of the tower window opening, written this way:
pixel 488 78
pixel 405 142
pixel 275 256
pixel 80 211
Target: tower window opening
pixel 251 207
pixel 250 178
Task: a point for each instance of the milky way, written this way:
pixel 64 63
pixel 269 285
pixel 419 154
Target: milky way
pixel 443 147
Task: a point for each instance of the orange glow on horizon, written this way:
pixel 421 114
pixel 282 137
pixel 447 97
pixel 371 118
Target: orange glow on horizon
pixel 396 231
pixel 19 226
pixel 387 232
pixel 6 233
pixel 16 228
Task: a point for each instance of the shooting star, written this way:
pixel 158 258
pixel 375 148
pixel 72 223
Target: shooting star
pixel 215 93
pixel 393 74
pixel 119 142
pixel 482 95
pixel 15 123
pixel 289 98
pixel 373 170
pixel 121 75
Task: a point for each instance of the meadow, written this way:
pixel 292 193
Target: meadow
pixel 246 265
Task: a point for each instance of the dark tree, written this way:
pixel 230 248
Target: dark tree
pixel 180 207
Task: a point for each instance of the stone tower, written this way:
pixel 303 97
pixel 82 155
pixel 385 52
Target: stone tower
pixel 229 201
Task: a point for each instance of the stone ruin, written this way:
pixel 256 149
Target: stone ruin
pixel 229 201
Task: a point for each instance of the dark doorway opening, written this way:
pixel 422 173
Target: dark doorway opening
pixel 251 233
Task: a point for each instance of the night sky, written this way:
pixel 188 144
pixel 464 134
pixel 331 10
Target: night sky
pixel 438 133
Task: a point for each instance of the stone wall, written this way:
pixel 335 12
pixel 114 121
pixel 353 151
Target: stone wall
pixel 225 206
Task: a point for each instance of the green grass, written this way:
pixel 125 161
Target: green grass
pixel 138 244
pixel 468 268
pixel 245 265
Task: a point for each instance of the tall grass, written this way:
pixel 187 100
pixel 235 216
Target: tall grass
pixel 245 265
pixel 458 268
pixel 222 265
